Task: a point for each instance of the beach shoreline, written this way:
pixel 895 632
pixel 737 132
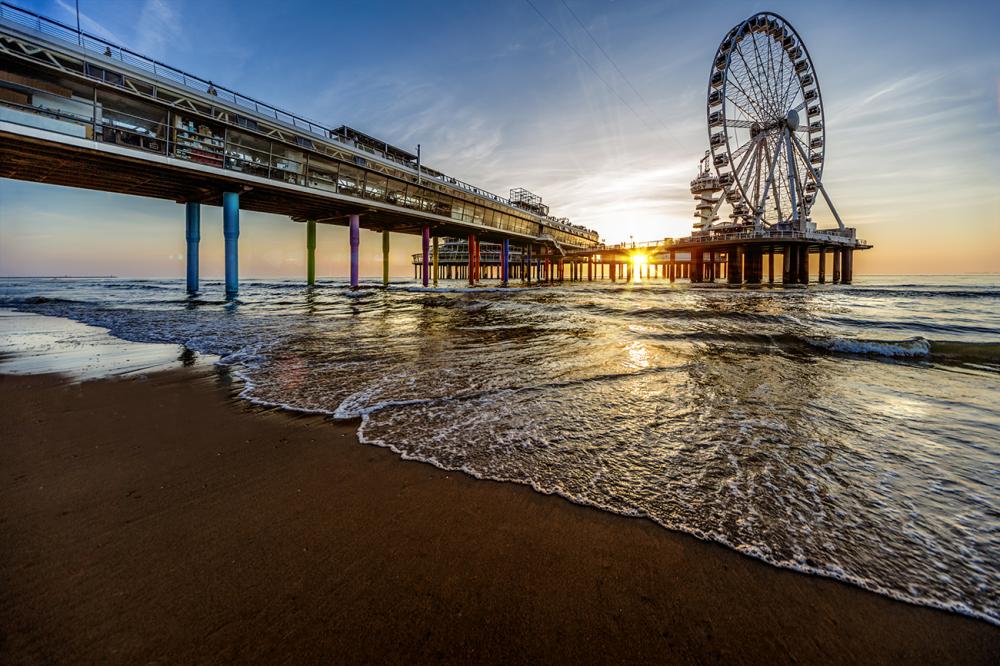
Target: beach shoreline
pixel 156 517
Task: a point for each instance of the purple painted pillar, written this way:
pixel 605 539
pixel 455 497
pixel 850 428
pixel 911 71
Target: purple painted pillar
pixel 355 242
pixel 426 244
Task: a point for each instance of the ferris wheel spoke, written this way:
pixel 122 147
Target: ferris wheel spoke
pixel 741 124
pixel 789 95
pixel 819 184
pixel 748 99
pixel 763 195
pixel 752 142
pixel 753 79
pixel 759 62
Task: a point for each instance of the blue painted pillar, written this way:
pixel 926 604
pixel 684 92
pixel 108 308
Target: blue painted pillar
pixel 425 244
pixel 505 262
pixel 231 233
pixel 192 210
pixel 355 243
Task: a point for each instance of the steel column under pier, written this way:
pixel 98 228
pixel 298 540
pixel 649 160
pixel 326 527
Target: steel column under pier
pixel 231 234
pixel 385 258
pixel 310 252
pixel 847 268
pixel 355 238
pixel 803 264
pixel 836 266
pixel 425 247
pixel 733 264
pixel 473 255
pixel 788 273
pixel 192 233
pixel 822 266
pixel 505 262
pixel 770 266
pixel 434 258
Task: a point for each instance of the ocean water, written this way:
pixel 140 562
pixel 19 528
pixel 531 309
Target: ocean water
pixel 845 431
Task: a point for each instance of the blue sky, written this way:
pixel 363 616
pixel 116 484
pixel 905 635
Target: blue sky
pixel 495 97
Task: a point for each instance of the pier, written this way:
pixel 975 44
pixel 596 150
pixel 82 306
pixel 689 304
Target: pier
pixel 79 111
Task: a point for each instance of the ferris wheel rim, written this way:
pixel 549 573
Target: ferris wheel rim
pixel 744 206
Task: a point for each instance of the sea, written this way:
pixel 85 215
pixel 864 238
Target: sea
pixel 844 431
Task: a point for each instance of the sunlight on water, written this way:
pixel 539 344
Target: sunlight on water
pixel 845 431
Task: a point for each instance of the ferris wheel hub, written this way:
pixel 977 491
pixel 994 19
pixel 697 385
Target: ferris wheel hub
pixel 792 120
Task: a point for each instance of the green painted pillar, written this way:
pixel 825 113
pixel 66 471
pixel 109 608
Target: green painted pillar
pixel 310 252
pixel 385 258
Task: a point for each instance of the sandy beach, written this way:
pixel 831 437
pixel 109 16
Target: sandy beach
pixel 156 518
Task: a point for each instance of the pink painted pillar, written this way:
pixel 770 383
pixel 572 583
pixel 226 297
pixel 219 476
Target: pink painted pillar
pixel 355 243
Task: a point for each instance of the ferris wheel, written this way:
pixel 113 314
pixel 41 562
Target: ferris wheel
pixel 766 126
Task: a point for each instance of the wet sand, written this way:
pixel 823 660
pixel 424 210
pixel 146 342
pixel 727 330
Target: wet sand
pixel 156 518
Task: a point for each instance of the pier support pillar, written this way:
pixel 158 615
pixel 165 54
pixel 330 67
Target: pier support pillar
pixel 836 266
pixel 803 264
pixel 527 251
pixel 473 257
pixel 355 238
pixel 434 258
pixel 694 266
pixel 733 264
pixel 310 252
pixel 770 266
pixel 822 266
pixel 673 265
pixel 786 265
pixel 192 232
pixel 847 267
pixel 231 235
pixel 385 257
pixel 505 262
pixel 425 247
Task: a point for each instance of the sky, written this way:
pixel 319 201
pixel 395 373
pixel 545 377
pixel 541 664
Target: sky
pixel 608 132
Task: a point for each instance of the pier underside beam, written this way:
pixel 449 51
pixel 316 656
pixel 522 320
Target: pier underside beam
pixel 231 236
pixel 192 233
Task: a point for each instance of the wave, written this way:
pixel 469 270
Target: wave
pixel 915 348
pixel 912 348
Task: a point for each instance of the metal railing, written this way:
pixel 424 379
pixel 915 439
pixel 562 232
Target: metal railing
pixel 56 29
pixel 767 234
